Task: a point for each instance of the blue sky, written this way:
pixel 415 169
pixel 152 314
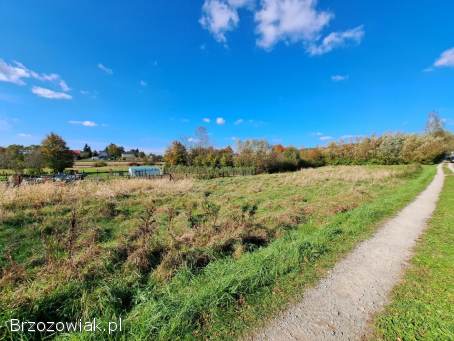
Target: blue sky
pixel 300 72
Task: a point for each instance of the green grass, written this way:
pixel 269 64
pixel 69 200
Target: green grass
pixel 231 297
pixel 422 306
pixel 331 209
pixel 101 169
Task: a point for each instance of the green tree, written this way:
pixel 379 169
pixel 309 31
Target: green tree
pixel 254 153
pixel 33 160
pixel 12 157
pixel 55 153
pixel 86 152
pixel 114 151
pixel 176 154
pixel 226 157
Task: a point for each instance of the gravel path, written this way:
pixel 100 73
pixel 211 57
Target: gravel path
pixel 341 305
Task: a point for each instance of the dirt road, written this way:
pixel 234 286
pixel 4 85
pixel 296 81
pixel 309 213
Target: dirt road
pixel 341 305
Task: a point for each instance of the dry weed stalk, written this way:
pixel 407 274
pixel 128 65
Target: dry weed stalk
pixel 72 237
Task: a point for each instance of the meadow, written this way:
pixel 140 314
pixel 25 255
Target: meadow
pixel 185 258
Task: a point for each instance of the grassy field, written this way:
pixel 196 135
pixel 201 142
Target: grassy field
pixel 422 306
pixel 187 258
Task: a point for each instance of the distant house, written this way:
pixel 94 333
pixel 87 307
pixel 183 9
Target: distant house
pixel 128 156
pixel 101 156
pixel 76 153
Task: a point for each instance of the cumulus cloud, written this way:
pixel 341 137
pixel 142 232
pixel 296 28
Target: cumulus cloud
pixel 446 59
pixel 218 17
pixel 221 16
pixel 206 120
pixel 50 94
pixel 24 135
pixel 16 73
pixel 89 124
pixel 105 69
pixel 289 20
pixel 337 39
pixel 339 78
pixel 220 121
pixel 239 121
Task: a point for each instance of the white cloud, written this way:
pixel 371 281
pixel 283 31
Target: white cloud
pixel 337 39
pixel 17 72
pixel 143 83
pixel 219 17
pixel 325 138
pixel 53 77
pixel 339 78
pixel 105 69
pixel 446 59
pixel 24 135
pixel 220 121
pixel 290 21
pixel 241 3
pixel 206 120
pixel 350 137
pixel 50 94
pixel 64 86
pixel 239 121
pixel 89 124
pixel 13 73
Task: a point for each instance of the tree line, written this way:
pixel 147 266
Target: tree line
pixel 115 152
pixel 396 148
pixel 427 148
pixel 53 153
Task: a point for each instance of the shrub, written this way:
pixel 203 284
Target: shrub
pixel 100 164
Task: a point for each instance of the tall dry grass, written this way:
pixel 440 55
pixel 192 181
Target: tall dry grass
pixel 351 174
pixel 53 193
